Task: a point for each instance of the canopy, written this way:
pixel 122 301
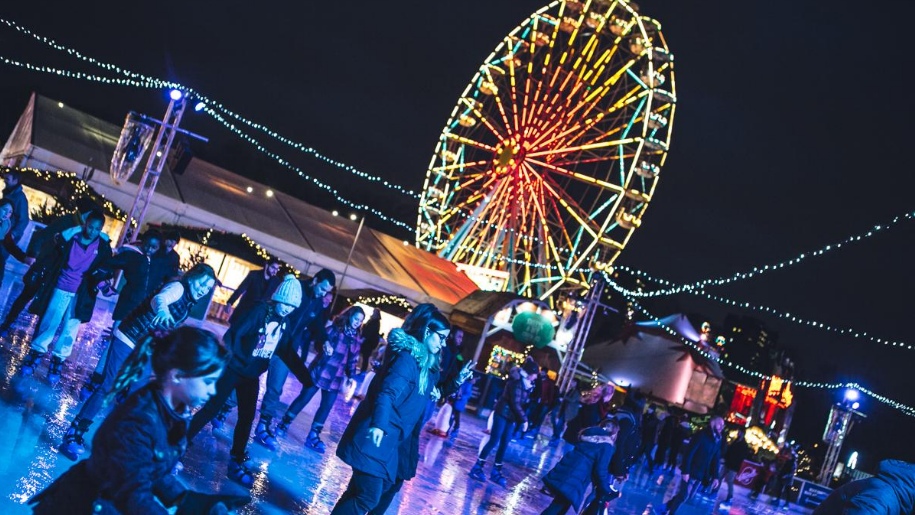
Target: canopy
pixel 52 135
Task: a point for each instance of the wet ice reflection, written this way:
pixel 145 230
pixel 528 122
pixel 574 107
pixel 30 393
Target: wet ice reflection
pixel 34 416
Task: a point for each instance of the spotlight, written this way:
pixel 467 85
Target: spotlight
pixel 335 212
pixel 269 193
pixel 199 107
pixel 855 405
pixel 175 94
pixel 249 189
pixel 852 395
pixel 353 217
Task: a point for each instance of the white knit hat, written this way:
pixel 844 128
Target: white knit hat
pixel 288 292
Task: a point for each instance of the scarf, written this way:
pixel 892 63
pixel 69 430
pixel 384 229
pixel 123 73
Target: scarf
pixel 399 340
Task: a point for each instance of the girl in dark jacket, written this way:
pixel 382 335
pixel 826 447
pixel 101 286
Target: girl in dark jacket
pixel 381 441
pixel 253 338
pixel 165 310
pixel 138 445
pixel 508 414
pixel 336 361
pixel 586 465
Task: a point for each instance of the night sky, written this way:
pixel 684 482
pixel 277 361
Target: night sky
pixel 791 133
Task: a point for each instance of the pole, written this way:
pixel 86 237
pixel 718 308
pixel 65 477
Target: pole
pixel 576 347
pixel 348 258
pixel 157 156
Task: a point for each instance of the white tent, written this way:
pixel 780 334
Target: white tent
pixel 648 358
pixel 51 135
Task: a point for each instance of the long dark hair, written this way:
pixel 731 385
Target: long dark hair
pixel 423 319
pixel 344 318
pixel 193 352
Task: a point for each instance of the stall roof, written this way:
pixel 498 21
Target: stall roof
pixel 81 138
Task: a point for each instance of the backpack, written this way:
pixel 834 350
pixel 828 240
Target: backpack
pixel 628 441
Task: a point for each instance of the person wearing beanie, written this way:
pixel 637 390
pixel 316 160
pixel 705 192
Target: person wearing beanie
pixel 256 336
pixel 508 413
pixel 305 324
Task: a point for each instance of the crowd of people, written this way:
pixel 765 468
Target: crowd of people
pixel 161 382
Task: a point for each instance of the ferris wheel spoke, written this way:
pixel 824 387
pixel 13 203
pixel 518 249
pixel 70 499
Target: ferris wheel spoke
pixel 471 142
pixel 484 119
pixel 497 96
pixel 571 207
pixel 577 131
pixel 579 115
pixel 587 179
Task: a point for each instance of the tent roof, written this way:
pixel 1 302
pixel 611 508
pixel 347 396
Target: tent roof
pixel 82 138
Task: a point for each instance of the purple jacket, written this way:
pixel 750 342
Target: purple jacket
pixel 328 371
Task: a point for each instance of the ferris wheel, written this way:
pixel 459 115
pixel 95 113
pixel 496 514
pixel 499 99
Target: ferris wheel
pixel 552 152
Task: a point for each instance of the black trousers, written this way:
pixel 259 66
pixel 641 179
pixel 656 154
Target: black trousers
pixel 559 506
pixel 366 494
pixel 246 391
pixel 29 290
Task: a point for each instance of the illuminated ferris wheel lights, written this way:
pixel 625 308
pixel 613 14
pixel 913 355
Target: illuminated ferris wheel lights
pixel 488 88
pixel 648 170
pixel 655 145
pixel 663 95
pixel 657 121
pixel 661 55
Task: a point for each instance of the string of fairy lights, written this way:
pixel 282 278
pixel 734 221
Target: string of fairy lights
pixel 139 79
pixel 145 81
pixel 760 270
pixel 791 317
pixel 903 408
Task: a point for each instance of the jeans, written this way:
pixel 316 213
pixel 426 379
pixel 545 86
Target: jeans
pixel 363 494
pixel 118 352
pixel 328 398
pixel 60 311
pixel 684 493
pixel 246 390
pixel 277 372
pixel 500 434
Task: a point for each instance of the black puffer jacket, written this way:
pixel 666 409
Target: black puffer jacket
pixel 129 470
pixel 890 492
pixel 511 404
pixel 586 464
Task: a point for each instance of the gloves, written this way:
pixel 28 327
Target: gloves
pixel 195 503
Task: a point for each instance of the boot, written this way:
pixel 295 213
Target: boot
pixel 239 470
pixel 30 363
pixel 73 446
pixel 283 427
pixel 55 369
pixel 264 433
pixel 220 419
pixel 92 384
pixel 477 471
pixel 313 441
pixel 496 475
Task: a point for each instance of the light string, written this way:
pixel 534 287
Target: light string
pixel 155 84
pixel 148 81
pixel 760 270
pixel 785 315
pixel 903 408
pixel 296 169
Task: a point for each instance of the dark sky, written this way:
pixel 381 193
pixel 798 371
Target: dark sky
pixel 792 131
